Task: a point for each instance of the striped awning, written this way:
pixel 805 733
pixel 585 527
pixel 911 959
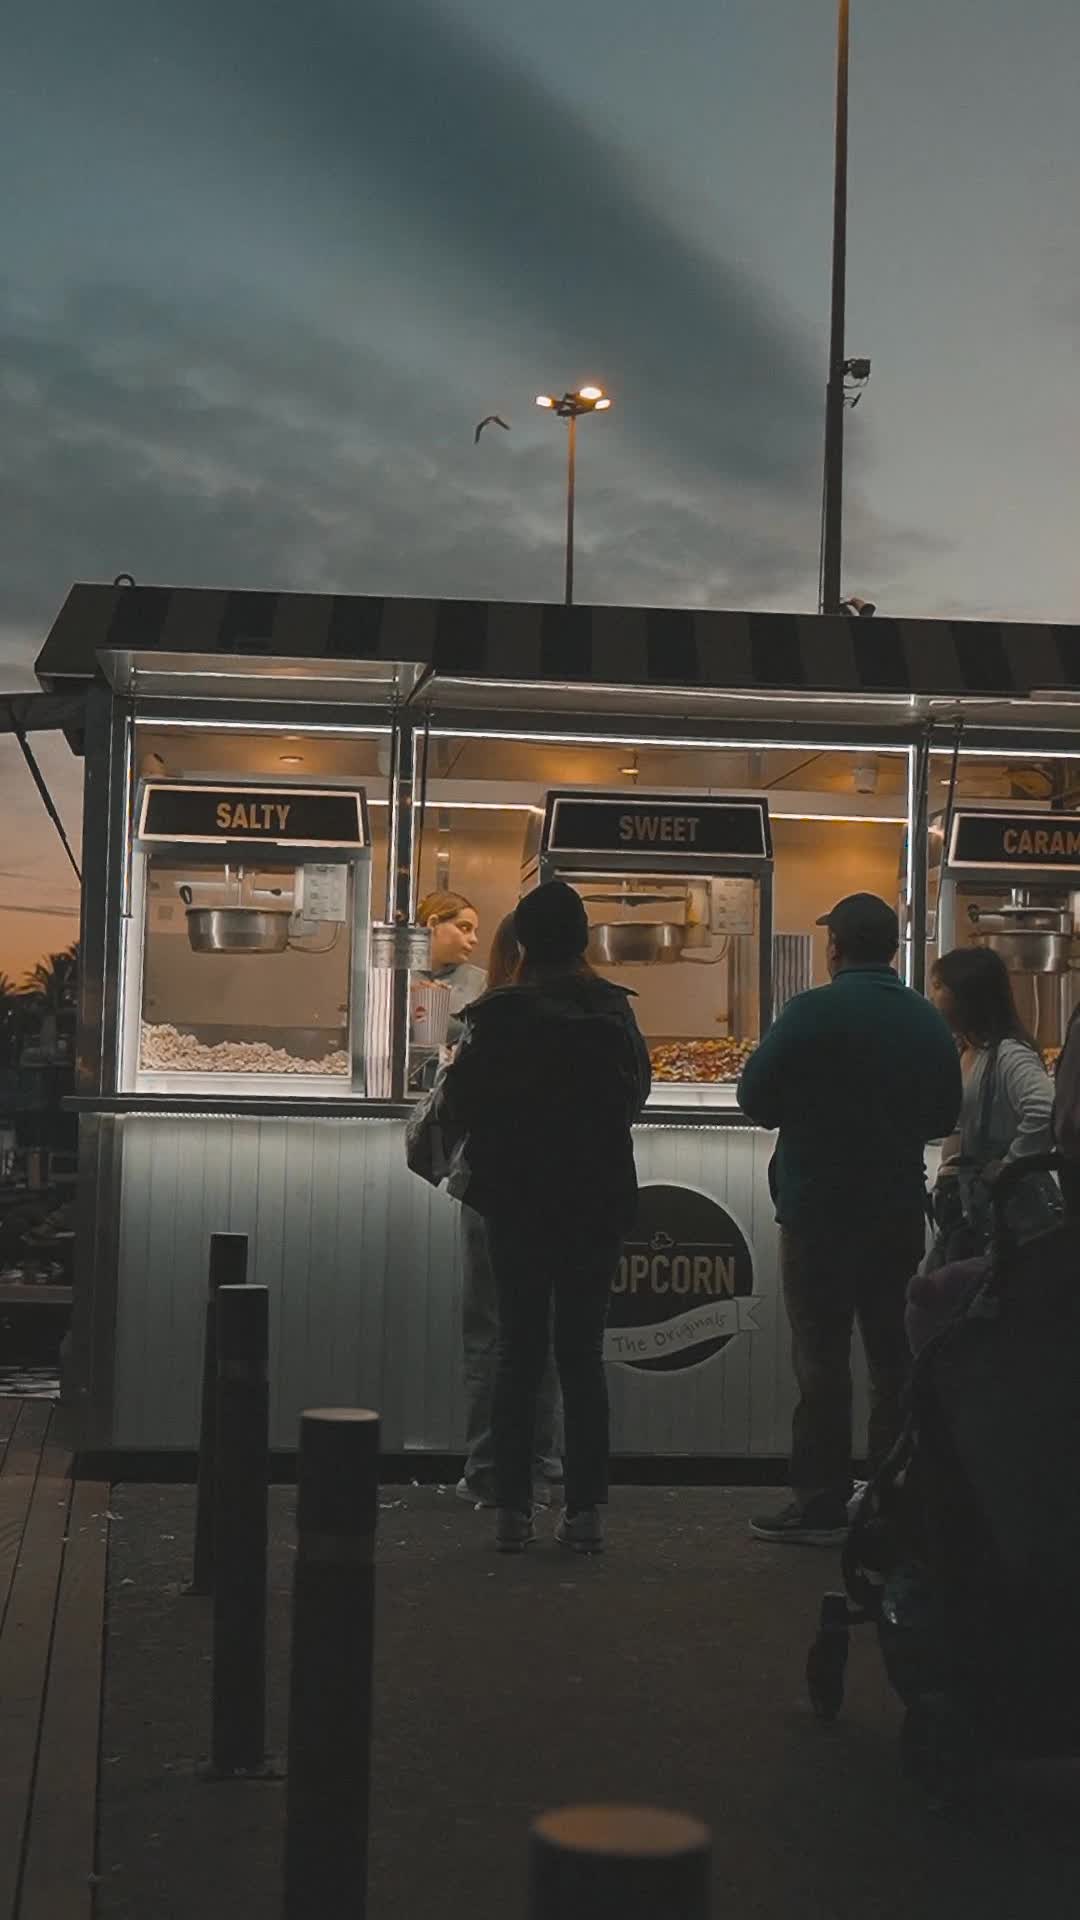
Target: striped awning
pixel 628 646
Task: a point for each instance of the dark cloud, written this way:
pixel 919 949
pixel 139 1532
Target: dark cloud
pixel 392 134
pixel 179 447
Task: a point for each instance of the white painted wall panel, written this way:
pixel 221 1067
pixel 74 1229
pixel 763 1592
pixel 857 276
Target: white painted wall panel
pixel 362 1261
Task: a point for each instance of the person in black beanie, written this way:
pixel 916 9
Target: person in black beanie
pixel 548 1080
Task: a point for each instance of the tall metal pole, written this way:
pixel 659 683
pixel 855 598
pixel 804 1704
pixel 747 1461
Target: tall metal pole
pixel 832 549
pixel 571 485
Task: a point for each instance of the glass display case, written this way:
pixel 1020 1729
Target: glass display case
pixel 248 945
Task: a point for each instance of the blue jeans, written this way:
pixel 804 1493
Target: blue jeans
pixel 574 1272
pixel 480 1333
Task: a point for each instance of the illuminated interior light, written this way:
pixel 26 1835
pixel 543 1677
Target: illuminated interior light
pixel 699 744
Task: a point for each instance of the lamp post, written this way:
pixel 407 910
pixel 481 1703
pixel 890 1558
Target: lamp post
pixel 570 408
pixel 833 529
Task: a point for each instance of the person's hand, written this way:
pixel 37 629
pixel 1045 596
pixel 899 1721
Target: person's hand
pixel 992 1172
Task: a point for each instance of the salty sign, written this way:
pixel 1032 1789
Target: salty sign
pixel 265 816
pixel 290 817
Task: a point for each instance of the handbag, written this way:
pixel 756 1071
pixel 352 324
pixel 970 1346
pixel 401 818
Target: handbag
pixel 958 1235
pixel 431 1142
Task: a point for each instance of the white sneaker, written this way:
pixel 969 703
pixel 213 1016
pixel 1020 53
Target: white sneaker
pixel 475 1493
pixel 857 1498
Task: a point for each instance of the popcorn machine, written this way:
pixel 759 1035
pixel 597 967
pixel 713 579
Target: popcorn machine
pixel 247 949
pixel 678 891
pixel 1010 881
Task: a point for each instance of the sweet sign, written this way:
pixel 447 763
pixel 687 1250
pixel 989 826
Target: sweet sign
pixel 669 827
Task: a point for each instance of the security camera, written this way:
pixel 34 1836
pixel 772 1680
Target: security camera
pixel 863 609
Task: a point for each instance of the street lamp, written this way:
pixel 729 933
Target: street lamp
pixel 835 396
pixel 571 408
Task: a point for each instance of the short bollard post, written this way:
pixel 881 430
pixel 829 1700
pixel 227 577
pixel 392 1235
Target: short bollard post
pixel 329 1764
pixel 618 1863
pixel 228 1268
pixel 238 1734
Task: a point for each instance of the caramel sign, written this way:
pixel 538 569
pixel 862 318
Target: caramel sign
pixel 1033 841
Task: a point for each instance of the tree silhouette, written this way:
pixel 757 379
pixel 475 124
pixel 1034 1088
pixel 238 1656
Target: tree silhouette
pixel 51 986
pixel 12 1010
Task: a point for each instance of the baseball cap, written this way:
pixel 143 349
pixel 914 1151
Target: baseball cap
pixel 862 921
pixel 551 923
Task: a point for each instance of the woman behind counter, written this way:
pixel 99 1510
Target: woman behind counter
pixel 455 929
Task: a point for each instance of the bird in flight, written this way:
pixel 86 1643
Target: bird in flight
pixel 493 420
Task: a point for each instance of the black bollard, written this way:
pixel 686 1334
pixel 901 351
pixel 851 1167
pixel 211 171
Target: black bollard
pixel 619 1863
pixel 238 1733
pixel 328 1779
pixel 228 1268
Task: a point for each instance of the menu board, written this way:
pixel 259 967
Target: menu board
pixel 665 827
pixel 1029 842
pixel 261 816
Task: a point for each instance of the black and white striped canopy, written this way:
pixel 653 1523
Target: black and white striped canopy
pixel 640 647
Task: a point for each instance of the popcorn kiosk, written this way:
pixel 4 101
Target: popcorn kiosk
pixel 678 889
pixel 262 769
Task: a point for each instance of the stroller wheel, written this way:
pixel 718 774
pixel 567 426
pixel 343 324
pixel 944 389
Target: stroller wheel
pixel 938 1752
pixel 826 1667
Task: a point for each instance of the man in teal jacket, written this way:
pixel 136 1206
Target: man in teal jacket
pixel 858 1077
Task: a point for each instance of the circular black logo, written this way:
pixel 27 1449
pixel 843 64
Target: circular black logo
pixel 684 1286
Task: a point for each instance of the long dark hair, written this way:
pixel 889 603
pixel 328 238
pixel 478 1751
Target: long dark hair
pixel 536 973
pixel 504 960
pixel 984 1010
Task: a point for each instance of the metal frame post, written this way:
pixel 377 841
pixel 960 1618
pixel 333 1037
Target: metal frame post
pixel 918 827
pixel 401 858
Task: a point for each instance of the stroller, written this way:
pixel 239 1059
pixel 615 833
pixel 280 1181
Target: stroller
pixel 964 1551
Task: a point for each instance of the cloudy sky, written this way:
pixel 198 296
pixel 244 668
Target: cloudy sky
pixel 265 267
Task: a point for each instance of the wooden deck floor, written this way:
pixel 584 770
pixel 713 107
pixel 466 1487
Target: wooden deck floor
pixel 53 1544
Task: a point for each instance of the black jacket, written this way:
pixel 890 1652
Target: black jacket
pixel 545 1087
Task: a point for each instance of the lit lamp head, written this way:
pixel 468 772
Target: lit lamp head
pixel 573 405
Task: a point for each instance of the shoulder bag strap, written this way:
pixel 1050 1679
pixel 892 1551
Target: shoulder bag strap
pixel 986 1106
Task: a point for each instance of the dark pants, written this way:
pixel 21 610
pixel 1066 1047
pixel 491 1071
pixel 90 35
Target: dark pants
pixel 830 1282
pixel 575 1270
pixel 480 1333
